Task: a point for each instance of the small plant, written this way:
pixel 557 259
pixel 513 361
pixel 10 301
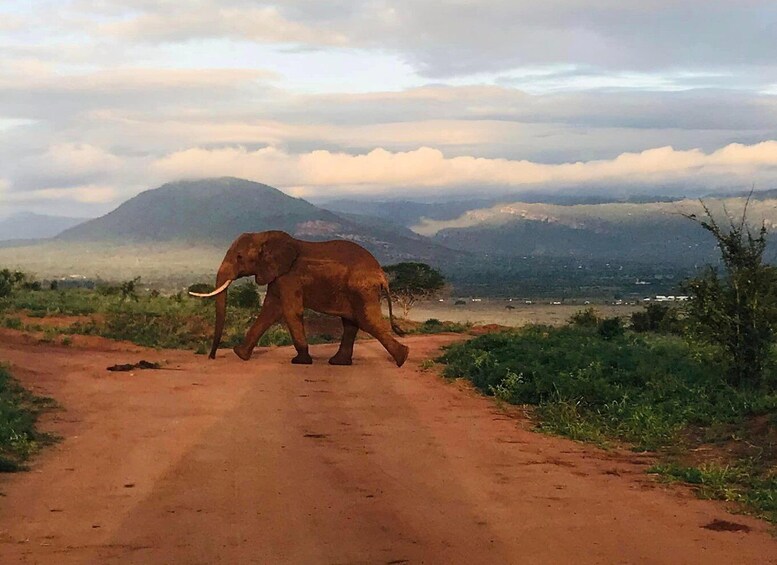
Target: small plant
pixel 426 365
pixel 13 323
pixel 128 289
pixel 588 318
pixel 507 388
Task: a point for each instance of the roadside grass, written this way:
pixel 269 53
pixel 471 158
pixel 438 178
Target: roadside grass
pixel 655 392
pixel 154 320
pixel 19 411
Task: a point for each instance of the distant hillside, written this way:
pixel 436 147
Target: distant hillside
pixel 410 213
pixel 215 211
pixel 651 232
pixel 26 225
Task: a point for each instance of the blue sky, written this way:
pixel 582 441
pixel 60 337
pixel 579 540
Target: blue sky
pixel 100 99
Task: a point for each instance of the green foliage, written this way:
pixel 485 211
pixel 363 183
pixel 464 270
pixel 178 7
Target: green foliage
pixel 657 318
pixel 276 335
pixel 654 391
pixel 202 288
pixel 19 410
pixel 128 289
pixel 588 318
pixel 11 280
pixel 13 323
pixel 411 282
pixel 243 296
pixel 435 326
pixel 643 389
pixel 744 484
pixel 738 309
pixel 610 328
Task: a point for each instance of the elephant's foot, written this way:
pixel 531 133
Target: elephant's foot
pixel 401 356
pixel 340 359
pixel 242 352
pixel 302 359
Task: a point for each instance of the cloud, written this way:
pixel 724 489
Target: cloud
pixel 50 95
pixel 264 24
pixel 443 39
pixel 88 194
pixel 428 169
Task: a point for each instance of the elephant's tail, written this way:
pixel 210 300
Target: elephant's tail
pixel 397 330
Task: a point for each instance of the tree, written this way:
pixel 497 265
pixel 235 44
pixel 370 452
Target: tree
pixel 658 318
pixel 128 289
pixel 10 280
pixel 411 282
pixel 736 309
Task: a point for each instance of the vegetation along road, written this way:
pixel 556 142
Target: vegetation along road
pixel 268 462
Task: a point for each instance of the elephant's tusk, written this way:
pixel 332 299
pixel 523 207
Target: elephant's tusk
pixel 219 290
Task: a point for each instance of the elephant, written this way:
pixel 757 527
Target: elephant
pixel 338 277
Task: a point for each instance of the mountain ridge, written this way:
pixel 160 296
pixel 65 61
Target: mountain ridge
pixel 215 211
pixel 29 226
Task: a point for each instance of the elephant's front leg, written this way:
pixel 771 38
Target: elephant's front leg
pixel 292 306
pixel 270 314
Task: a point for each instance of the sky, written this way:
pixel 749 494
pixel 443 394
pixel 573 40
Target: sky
pixel 102 99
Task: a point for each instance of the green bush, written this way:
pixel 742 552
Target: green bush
pixel 658 318
pixel 435 326
pixel 737 309
pixel 588 318
pixel 19 410
pixel 643 389
pixel 244 296
pixel 610 328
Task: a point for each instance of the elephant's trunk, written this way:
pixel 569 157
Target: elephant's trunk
pixel 221 310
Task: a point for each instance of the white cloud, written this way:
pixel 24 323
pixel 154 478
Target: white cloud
pixel 88 194
pixel 466 37
pixel 385 172
pixel 78 159
pixel 264 24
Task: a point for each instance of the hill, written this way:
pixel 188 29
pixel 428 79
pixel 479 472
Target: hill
pixel 214 211
pixel 656 232
pixel 26 225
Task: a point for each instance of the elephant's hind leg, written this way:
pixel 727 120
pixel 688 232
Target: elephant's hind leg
pixel 371 321
pixel 344 355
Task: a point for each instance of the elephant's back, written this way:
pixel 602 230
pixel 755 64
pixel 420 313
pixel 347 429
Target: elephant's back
pixel 348 253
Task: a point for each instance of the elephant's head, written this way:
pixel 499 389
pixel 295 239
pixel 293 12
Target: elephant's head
pixel 266 256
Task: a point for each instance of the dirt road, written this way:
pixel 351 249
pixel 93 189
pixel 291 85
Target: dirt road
pixel 266 462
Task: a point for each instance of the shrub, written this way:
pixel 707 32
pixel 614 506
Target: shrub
pixel 19 410
pixel 10 280
pixel 244 296
pixel 658 318
pixel 435 326
pixel 588 318
pixel 738 309
pixel 609 328
pixel 629 386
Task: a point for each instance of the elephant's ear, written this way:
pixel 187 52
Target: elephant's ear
pixel 276 258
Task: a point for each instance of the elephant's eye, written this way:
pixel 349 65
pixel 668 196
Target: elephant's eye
pixel 239 257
